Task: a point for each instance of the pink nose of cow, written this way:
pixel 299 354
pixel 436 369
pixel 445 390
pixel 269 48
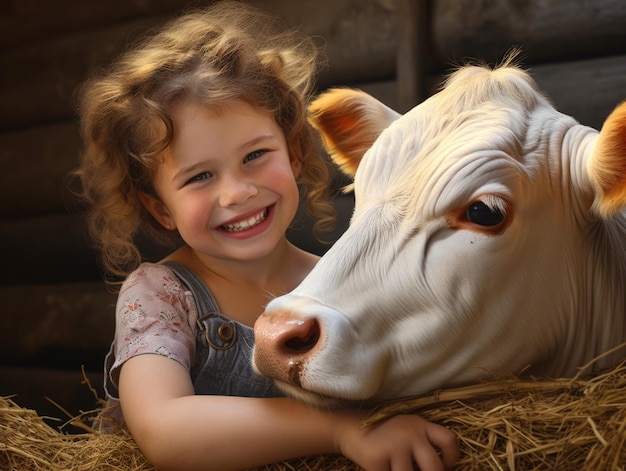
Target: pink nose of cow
pixel 282 345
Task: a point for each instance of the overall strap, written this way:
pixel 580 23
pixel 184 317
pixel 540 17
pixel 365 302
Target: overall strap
pixel 204 299
pixel 223 358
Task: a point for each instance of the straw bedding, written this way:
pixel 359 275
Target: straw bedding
pixel 510 424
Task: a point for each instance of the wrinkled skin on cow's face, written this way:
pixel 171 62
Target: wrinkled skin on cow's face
pixel 487 236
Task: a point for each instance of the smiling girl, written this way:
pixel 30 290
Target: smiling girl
pixel 198 138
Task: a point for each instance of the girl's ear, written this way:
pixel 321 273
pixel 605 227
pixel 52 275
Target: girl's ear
pixel 296 167
pixel 158 210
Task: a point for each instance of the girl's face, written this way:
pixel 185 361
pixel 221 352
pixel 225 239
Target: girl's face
pixel 227 184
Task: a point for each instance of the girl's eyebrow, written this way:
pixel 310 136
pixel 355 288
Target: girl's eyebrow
pixel 257 140
pixel 183 174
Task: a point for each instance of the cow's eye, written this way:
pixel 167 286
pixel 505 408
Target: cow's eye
pixel 484 215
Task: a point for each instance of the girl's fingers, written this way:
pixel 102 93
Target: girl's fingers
pixel 427 458
pixel 446 441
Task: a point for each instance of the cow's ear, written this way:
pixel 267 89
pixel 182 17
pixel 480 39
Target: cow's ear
pixel 607 165
pixel 349 121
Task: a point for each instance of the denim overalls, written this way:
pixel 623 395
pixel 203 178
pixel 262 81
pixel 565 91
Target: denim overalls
pixel 223 362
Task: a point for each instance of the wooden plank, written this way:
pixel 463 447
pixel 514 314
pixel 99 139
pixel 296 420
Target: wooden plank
pixel 49 248
pixel 56 325
pixel 57 248
pixel 38 81
pixel 26 21
pixel 36 163
pixel 411 53
pixel 587 90
pixel 547 31
pixel 359 37
pixel 43 76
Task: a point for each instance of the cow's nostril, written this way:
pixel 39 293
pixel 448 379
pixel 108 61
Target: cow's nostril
pixel 304 337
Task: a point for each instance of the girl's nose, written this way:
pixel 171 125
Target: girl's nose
pixel 235 191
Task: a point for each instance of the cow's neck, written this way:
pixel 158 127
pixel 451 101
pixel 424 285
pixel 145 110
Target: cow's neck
pixel 600 323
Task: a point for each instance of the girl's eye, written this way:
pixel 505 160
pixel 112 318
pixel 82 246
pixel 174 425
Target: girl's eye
pixel 254 155
pixel 199 177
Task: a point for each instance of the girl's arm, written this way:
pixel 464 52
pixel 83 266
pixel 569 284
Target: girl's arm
pixel 177 429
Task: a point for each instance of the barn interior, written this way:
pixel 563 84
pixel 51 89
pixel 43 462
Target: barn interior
pixel 58 316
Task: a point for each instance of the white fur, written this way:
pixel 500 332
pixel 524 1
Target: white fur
pixel 409 301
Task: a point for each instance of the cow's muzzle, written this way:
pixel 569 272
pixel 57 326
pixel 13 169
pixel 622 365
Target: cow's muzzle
pixel 283 344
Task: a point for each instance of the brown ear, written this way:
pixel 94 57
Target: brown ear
pixel 349 121
pixel 607 165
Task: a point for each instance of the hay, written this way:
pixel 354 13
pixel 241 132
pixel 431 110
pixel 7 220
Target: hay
pixel 27 443
pixel 570 424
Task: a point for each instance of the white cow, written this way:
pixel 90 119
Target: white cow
pixel 487 236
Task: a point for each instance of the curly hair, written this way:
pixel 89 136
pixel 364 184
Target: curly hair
pixel 226 52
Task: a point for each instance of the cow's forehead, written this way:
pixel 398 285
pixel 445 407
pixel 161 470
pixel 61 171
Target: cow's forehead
pixel 472 133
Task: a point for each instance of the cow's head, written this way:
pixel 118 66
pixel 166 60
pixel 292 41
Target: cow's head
pixel 468 245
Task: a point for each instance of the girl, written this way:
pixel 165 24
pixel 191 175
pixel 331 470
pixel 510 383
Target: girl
pixel 199 135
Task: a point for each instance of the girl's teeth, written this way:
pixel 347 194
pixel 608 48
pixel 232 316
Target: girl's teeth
pixel 247 224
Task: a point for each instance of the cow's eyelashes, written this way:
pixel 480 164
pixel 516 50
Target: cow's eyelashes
pixel 484 215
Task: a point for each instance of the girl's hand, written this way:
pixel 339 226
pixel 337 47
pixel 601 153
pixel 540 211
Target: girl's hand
pixel 400 442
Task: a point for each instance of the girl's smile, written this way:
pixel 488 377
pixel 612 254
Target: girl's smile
pixel 248 226
pixel 245 224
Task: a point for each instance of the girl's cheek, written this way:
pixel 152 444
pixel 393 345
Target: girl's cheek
pixel 195 210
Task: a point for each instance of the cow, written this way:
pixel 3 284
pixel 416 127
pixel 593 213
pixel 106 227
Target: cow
pixel 488 236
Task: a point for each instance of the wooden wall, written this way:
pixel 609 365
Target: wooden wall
pixel 56 313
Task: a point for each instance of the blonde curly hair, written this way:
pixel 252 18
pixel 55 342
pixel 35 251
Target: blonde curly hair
pixel 226 52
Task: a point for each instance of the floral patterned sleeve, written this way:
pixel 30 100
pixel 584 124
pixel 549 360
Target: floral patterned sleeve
pixel 155 314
